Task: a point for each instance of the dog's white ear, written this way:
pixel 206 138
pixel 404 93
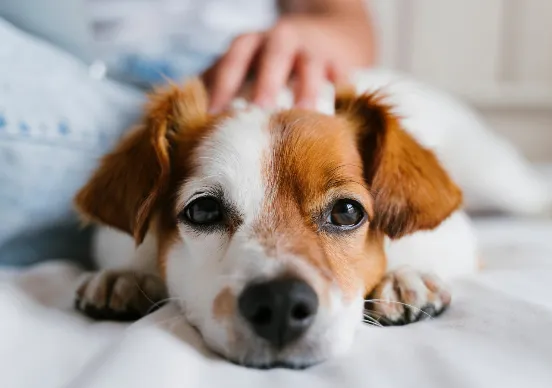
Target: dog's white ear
pixel 411 190
pixel 125 188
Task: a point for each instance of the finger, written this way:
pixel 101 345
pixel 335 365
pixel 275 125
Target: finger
pixel 208 75
pixel 310 75
pixel 275 65
pixel 230 72
pixel 337 74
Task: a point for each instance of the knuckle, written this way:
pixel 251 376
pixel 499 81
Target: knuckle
pixel 284 30
pixel 308 57
pixel 269 86
pixel 242 43
pixel 220 78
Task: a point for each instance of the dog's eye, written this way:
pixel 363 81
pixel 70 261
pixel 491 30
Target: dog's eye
pixel 206 210
pixel 346 212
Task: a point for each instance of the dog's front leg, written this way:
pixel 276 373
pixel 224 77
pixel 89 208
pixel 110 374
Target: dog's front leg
pixel 119 295
pixel 405 296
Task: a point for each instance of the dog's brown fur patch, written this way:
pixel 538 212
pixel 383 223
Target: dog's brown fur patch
pixel 224 305
pixel 130 180
pixel 411 190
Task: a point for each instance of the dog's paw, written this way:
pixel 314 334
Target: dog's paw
pixel 119 295
pixel 405 296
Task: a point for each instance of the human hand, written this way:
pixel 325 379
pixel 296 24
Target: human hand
pixel 308 48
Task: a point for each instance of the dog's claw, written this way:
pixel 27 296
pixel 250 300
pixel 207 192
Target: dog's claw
pixel 119 295
pixel 405 296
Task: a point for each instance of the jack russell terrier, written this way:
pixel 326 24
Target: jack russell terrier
pixel 276 232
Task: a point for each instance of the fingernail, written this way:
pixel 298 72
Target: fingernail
pixel 304 104
pixel 264 101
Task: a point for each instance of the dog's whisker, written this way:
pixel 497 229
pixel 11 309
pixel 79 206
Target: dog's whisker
pixel 161 302
pixel 371 323
pixel 141 290
pixel 370 311
pixel 371 320
pixel 162 322
pixel 402 303
pixel 373 313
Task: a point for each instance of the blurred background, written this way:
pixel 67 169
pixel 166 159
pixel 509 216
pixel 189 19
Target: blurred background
pixel 495 54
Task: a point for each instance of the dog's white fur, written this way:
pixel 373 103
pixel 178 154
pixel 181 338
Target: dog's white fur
pixel 214 262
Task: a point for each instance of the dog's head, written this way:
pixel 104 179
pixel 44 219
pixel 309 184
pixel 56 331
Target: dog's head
pixel 270 226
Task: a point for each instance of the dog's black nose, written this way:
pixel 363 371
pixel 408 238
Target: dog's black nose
pixel 279 311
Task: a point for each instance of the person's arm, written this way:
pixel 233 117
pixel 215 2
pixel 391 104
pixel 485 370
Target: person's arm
pixel 349 7
pixel 313 40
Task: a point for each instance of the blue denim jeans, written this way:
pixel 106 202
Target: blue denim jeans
pixel 56 121
pixel 39 174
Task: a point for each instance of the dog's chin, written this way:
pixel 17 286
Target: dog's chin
pixel 268 358
pixel 295 363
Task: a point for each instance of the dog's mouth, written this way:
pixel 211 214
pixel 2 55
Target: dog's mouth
pixel 275 365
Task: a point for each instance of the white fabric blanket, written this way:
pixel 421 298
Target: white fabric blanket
pixel 496 334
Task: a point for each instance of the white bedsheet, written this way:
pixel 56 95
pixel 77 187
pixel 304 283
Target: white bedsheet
pixel 496 334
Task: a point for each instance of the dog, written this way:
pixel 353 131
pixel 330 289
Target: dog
pixel 277 232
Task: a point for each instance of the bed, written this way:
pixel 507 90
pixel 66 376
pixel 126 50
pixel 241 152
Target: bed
pixel 497 333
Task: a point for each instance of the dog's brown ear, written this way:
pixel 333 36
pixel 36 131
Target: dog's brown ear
pixel 411 190
pixel 124 189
